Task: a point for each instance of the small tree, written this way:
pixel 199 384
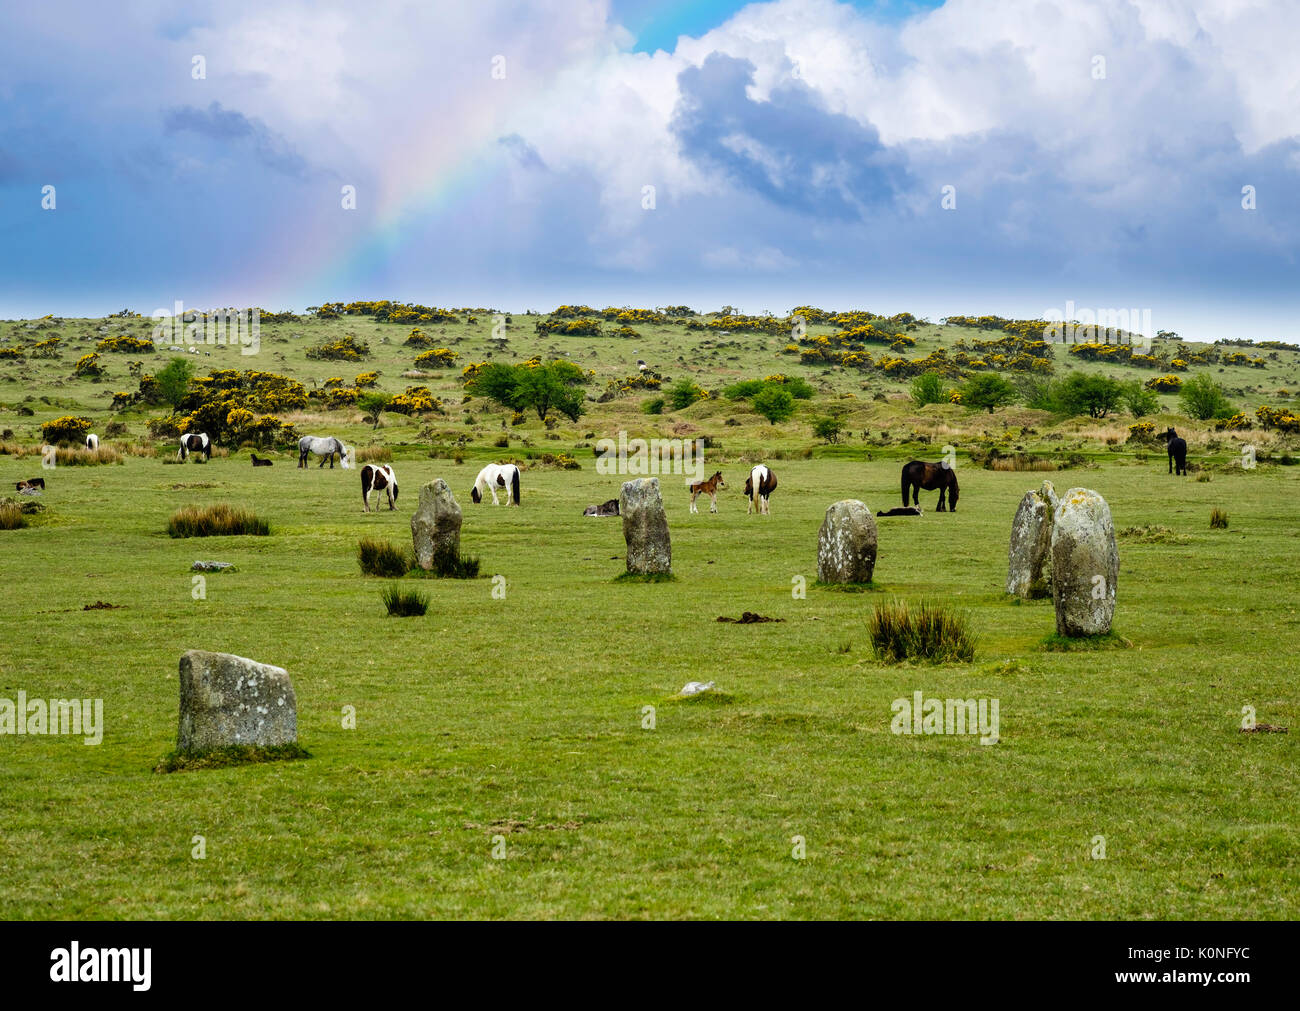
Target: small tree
pixel 373 405
pixel 827 429
pixel 1095 395
pixel 1202 398
pixel 1139 401
pixel 173 381
pixel 775 404
pixel 987 391
pixel 927 388
pixel 683 393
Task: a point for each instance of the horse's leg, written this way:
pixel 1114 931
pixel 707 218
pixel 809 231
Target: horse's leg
pixel 713 502
pixel 693 494
pixel 941 508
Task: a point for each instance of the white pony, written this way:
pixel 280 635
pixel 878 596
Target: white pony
pixel 758 486
pixel 494 476
pixel 378 477
pixel 322 446
pixel 92 441
pixel 196 442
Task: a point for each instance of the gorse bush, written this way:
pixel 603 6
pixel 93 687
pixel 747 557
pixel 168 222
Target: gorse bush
pixel 380 558
pixel 683 393
pixel 403 603
pixel 928 632
pixel 216 521
pixel 65 430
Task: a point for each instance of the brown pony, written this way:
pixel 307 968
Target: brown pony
pixel 929 476
pixel 711 487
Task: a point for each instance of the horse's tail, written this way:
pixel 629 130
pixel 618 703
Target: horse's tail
pixel 514 484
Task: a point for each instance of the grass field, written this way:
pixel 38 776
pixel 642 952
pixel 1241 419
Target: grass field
pixel 516 724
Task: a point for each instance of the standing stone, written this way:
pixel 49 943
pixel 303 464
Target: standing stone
pixel 435 527
pixel 645 527
pixel 1085 564
pixel 846 544
pixel 1031 543
pixel 227 699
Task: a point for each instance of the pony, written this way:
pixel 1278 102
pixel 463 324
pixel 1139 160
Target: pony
pixel 259 462
pixel 711 487
pixel 494 476
pixel 609 508
pixel 322 446
pixel 31 484
pixel 929 476
pixel 905 511
pixel 92 441
pixel 758 486
pixel 195 443
pixel 1177 452
pixel 378 478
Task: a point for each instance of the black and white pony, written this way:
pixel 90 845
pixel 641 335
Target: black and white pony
pixel 494 476
pixel 1177 452
pixel 197 442
pixel 92 441
pixel 378 478
pixel 324 447
pixel 758 486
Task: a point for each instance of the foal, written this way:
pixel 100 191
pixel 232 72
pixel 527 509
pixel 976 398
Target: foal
pixel 711 487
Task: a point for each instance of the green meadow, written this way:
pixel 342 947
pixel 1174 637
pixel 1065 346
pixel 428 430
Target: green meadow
pixel 503 762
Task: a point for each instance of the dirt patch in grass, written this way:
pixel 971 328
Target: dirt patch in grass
pixel 100 605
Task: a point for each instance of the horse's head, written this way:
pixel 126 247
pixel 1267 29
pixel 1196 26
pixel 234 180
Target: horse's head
pixel 475 494
pixel 1171 434
pixel 717 476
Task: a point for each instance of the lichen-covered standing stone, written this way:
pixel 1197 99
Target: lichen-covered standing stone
pixel 435 527
pixel 1085 564
pixel 228 699
pixel 846 544
pixel 1031 541
pixel 645 527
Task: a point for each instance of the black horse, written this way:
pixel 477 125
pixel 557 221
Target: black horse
pixel 918 475
pixel 1177 452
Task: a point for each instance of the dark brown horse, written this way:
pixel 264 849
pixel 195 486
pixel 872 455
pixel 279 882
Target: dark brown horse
pixel 929 476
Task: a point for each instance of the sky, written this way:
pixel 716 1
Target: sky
pixel 1011 157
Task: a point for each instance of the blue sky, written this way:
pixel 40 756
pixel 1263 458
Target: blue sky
pixel 1000 156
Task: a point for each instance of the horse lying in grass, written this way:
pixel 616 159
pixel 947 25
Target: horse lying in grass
pixel 1177 452
pixel 758 486
pixel 378 477
pixel 259 462
pixel 904 511
pixel 929 476
pixel 711 487
pixel 325 447
pixel 494 476
pixel 609 508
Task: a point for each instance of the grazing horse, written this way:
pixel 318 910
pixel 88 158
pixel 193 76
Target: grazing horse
pixel 259 462
pixel 609 508
pixel 1177 452
pixel 929 476
pixel 758 486
pixel 195 443
pixel 711 487
pixel 324 447
pixel 92 441
pixel 378 478
pixel 494 476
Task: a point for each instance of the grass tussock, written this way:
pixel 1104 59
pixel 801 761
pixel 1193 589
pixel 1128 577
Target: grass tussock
pixel 846 587
pixel 235 754
pixel 1022 462
pixel 374 454
pixel 450 565
pixel 1218 519
pixel 216 521
pixel 1055 643
pixel 11 516
pixel 645 577
pixel 1152 533
pixel 380 558
pixel 927 631
pixel 404 603
pixel 77 457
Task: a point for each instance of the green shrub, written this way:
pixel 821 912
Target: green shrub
pixel 215 521
pixel 929 632
pixel 403 603
pixel 928 388
pixel 655 405
pixel 1202 398
pixel 380 558
pixel 683 393
pixel 827 429
pixel 775 404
